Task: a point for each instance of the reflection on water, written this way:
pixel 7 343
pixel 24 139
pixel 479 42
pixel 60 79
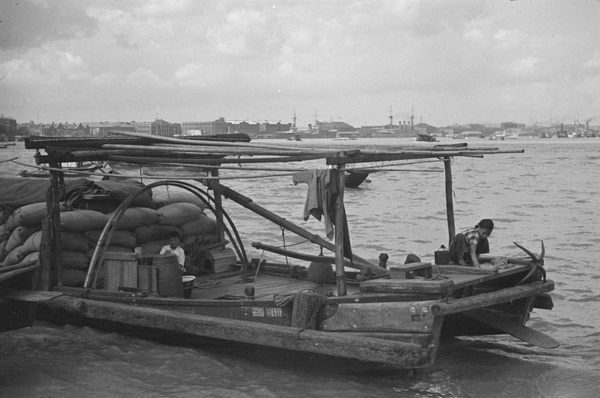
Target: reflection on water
pixel 548 193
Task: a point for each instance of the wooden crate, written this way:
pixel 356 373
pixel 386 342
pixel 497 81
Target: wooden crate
pixel 120 271
pixel 147 279
pixel 221 260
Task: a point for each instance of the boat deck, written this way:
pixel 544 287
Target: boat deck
pixel 265 286
pixel 463 276
pixel 240 286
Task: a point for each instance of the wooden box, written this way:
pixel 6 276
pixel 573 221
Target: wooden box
pixel 221 260
pixel 120 271
pixel 147 279
pixel 411 271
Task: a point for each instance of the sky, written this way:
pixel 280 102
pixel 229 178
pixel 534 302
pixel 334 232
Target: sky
pixel 444 62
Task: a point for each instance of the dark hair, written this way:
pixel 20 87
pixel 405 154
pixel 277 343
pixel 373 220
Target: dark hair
pixel 485 223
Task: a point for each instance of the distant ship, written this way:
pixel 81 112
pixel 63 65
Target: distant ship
pixel 562 133
pixel 509 134
pixel 469 134
pixel 426 137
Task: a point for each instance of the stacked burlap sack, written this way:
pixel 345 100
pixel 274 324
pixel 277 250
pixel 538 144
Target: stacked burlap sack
pixel 146 227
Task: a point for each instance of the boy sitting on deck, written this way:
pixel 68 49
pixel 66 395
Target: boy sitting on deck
pixel 174 248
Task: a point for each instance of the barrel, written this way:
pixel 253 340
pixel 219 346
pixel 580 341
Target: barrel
pixel 168 275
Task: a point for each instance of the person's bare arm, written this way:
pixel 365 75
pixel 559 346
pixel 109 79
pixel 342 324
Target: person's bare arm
pixel 474 255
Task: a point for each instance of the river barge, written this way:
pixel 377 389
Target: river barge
pixel 337 304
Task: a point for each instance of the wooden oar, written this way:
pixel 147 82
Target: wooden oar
pixel 299 256
pixel 515 329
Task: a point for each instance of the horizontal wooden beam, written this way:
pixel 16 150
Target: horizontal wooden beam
pixel 492 298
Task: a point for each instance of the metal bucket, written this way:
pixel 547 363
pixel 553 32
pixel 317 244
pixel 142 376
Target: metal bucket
pixel 188 285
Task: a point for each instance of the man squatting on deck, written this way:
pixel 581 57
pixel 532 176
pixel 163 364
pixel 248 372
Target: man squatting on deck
pixel 468 245
pixel 174 248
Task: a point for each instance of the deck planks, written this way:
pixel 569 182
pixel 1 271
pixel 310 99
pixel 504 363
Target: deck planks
pixel 265 287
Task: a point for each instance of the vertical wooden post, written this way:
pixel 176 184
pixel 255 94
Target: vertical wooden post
pixel 46 252
pixel 218 208
pixel 340 275
pixel 51 255
pixel 449 202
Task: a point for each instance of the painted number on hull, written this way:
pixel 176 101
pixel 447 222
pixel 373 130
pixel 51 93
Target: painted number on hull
pixel 261 312
pixel 274 312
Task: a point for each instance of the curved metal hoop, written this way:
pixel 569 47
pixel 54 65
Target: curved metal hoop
pixel 109 228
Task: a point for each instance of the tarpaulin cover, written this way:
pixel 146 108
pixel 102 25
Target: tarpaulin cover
pixel 117 192
pixel 17 192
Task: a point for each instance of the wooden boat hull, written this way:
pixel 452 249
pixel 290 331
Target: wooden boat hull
pixel 374 323
pixel 339 344
pixel 16 314
pixel 353 179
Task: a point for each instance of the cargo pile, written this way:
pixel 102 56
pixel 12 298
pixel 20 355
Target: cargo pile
pixel 146 227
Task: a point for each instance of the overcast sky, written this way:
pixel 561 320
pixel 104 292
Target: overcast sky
pixel 460 61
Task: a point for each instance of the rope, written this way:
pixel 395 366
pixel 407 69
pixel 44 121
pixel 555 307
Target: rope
pixel 282 300
pixel 501 263
pixel 315 311
pixel 206 283
pixel 439 276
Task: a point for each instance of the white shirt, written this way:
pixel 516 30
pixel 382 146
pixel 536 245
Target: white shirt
pixel 178 251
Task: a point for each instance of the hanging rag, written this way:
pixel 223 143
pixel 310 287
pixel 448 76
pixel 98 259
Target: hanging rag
pixel 320 202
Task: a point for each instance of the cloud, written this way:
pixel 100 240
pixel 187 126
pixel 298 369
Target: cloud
pixel 108 79
pixel 245 32
pixel 525 66
pixel 31 23
pixel 145 78
pixel 192 75
pixel 40 67
pixel 510 39
pixel 594 61
pixel 20 72
pixel 263 58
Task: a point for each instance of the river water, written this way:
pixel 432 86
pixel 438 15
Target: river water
pixel 548 193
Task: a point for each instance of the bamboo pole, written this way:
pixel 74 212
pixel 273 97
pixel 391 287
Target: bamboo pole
pixel 299 256
pixel 213 160
pixel 340 276
pixel 188 149
pixel 198 142
pixel 449 202
pixel 17 269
